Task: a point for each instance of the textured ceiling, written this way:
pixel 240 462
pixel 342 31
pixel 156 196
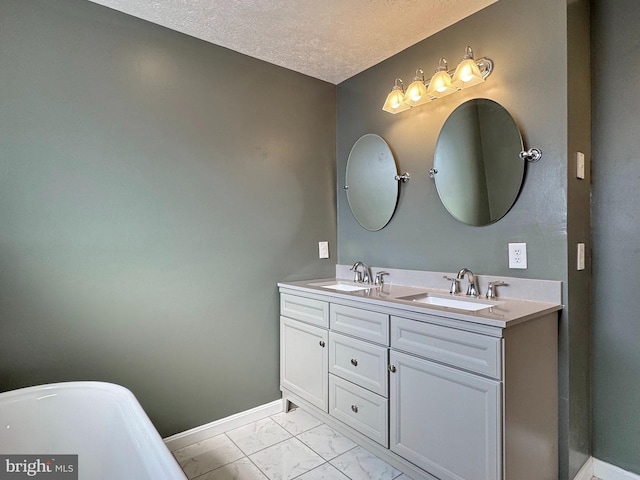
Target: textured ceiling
pixel 327 39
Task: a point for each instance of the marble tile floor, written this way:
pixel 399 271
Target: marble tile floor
pixel 282 447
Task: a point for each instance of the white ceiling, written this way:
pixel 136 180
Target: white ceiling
pixel 327 39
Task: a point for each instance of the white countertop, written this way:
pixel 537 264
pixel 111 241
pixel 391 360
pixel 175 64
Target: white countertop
pixel 502 313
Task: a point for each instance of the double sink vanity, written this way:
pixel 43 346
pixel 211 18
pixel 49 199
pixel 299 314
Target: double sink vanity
pixel 439 385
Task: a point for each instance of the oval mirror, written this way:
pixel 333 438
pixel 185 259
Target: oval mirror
pixel 372 190
pixel 478 164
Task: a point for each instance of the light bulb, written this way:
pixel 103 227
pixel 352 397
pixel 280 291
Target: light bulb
pixel 465 75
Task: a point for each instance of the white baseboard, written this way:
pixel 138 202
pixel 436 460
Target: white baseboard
pixel 197 434
pixel 586 472
pixel 604 471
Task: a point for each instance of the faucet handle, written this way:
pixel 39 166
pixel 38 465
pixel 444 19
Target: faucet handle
pixel 491 289
pixel 453 289
pixel 380 277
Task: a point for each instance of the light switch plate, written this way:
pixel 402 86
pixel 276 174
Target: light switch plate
pixel 323 249
pixel 580 165
pixel 518 255
pixel 580 259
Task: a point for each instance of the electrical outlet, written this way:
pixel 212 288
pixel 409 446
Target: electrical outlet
pixel 323 249
pixel 518 255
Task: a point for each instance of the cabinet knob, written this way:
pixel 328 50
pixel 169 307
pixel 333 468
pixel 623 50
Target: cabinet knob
pixel 322 343
pixel 392 368
pixel 354 408
pixel 354 362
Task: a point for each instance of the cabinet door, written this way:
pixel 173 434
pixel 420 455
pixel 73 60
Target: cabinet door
pixel 304 361
pixel 444 420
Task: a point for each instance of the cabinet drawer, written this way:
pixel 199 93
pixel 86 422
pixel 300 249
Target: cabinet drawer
pixel 361 409
pixel 362 363
pixel 365 324
pixel 304 309
pixel 470 351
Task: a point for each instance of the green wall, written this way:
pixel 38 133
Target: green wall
pixel 523 38
pixel 616 232
pixel 577 330
pixel 153 190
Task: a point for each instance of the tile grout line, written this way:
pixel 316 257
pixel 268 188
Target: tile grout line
pixel 248 457
pixel 259 469
pixel 293 435
pixel 244 456
pixel 314 468
pixel 326 462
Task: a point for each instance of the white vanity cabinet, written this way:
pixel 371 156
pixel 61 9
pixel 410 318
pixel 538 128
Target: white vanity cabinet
pixel 437 395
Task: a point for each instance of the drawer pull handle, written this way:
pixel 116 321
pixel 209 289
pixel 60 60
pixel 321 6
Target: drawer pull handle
pixel 354 408
pixel 322 343
pixel 354 362
pixel 392 368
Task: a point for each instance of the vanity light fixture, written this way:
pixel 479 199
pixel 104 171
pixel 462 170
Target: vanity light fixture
pixel 395 100
pixel 417 91
pixel 444 82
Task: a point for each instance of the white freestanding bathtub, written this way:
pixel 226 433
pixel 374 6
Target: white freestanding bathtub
pixel 102 423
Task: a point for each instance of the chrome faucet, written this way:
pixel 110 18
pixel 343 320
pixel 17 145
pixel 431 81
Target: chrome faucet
pixel 472 291
pixel 361 277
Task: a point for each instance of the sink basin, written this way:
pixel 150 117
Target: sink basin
pixel 342 287
pixel 471 305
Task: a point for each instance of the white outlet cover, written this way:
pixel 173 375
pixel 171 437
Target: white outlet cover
pixel 323 249
pixel 518 255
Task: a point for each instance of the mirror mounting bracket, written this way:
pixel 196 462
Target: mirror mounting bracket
pixel 532 155
pixel 433 172
pixel 404 178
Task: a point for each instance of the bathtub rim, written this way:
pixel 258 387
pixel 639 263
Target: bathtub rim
pixel 153 442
